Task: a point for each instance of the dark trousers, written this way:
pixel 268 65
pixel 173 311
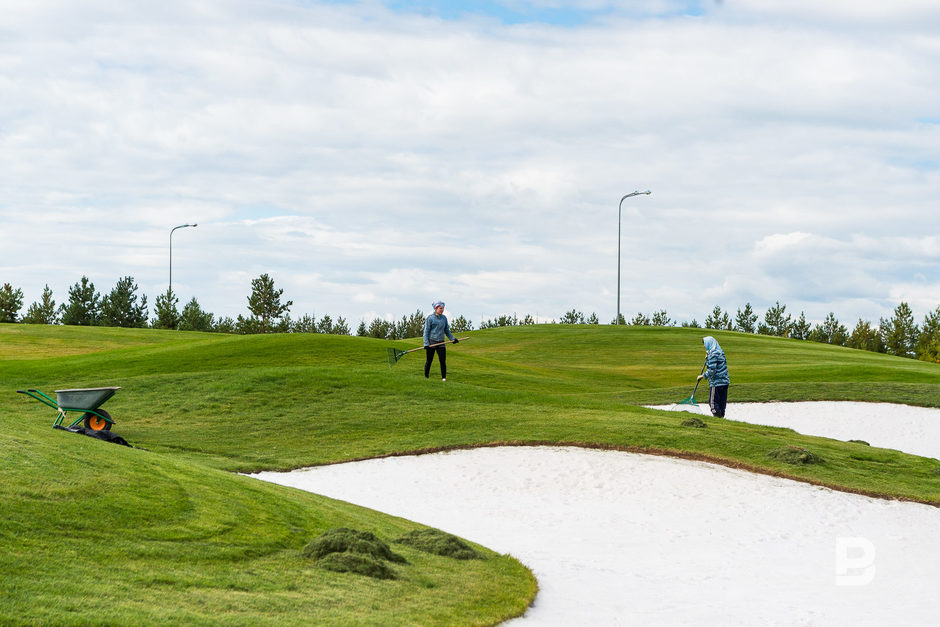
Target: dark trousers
pixel 718 399
pixel 441 357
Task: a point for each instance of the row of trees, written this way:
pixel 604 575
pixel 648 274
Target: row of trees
pixel 269 313
pixel 124 307
pixel 898 335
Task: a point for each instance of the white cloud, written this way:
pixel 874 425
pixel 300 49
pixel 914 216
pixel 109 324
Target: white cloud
pixel 373 161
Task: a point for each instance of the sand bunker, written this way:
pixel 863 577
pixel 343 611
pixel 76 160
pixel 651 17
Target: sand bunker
pixel 913 430
pixel 619 538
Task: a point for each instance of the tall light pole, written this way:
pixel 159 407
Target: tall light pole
pixel 633 193
pixel 170 291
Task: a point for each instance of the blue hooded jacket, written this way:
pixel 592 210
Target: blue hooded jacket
pixel 716 367
pixel 435 328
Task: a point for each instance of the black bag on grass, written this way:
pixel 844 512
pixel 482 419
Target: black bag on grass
pixel 103 434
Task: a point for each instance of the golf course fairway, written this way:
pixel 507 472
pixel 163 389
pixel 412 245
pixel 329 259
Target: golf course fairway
pixel 168 531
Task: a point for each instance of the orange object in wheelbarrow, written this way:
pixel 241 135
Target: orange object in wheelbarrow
pixel 88 401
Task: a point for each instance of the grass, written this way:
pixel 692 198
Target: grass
pixel 165 531
pixel 440 543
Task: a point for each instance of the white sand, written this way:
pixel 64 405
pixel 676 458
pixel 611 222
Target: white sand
pixel 913 430
pixel 619 538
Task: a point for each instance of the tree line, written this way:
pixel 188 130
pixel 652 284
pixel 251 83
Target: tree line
pixel 897 335
pixel 122 306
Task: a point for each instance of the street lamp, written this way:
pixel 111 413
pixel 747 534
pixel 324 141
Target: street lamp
pixel 633 193
pixel 170 291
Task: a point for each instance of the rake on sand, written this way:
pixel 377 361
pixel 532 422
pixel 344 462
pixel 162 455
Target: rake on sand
pixel 394 354
pixel 691 399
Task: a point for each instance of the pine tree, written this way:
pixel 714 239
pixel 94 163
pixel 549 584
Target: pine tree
pixel 265 304
pixel 460 325
pixel 226 325
pixel 193 318
pixel 167 316
pixel 775 322
pixel 11 301
pixel 381 329
pixel 928 341
pixel 572 317
pixel 82 308
pixel 865 337
pixel 340 327
pixel 43 312
pixel 899 334
pixel 746 320
pixel 718 320
pixel 120 308
pixel 830 331
pixel 326 325
pixel 661 319
pixel 305 324
pixel 801 329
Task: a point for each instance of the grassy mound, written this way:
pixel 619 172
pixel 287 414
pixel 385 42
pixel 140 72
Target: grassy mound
pixel 346 550
pixel 439 543
pixel 692 421
pixel 795 455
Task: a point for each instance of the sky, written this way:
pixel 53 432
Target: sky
pixel 373 156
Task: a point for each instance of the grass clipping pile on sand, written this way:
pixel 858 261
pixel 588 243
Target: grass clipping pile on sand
pixel 346 550
pixel 439 543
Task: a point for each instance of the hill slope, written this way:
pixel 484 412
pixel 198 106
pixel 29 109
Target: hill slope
pixel 97 530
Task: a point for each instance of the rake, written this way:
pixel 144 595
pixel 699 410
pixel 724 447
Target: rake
pixel 691 399
pixel 394 354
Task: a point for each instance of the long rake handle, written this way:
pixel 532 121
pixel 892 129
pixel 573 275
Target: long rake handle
pixel 432 345
pixel 697 381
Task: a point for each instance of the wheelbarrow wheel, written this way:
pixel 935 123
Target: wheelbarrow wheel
pixel 97 423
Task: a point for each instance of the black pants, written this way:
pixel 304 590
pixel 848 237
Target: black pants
pixel 718 399
pixel 441 357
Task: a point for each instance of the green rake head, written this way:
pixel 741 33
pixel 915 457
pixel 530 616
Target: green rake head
pixel 394 355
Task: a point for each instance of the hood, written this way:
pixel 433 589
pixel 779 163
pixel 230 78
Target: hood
pixel 711 344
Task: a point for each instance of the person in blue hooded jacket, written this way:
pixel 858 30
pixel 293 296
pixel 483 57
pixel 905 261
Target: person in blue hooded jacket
pixel 716 371
pixel 435 329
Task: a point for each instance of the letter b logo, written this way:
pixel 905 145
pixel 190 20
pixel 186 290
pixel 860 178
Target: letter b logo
pixel 855 561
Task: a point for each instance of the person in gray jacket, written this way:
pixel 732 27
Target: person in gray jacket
pixel 435 329
pixel 716 371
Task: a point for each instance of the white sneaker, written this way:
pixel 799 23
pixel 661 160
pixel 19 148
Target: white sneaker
pixel 443 379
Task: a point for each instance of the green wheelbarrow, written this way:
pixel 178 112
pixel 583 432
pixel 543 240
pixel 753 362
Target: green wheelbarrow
pixel 88 401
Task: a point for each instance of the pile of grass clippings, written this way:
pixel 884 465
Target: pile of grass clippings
pixel 358 564
pixel 795 455
pixel 349 551
pixel 698 423
pixel 439 543
pixel 859 442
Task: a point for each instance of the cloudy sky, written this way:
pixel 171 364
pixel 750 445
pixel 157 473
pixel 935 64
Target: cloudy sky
pixel 375 155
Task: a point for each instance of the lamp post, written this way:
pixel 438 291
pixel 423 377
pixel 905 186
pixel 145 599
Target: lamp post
pixel 633 193
pixel 170 291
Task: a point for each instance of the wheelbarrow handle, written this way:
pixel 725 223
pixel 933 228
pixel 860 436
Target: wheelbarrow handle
pixel 39 396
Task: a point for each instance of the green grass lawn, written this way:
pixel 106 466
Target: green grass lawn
pixel 165 531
